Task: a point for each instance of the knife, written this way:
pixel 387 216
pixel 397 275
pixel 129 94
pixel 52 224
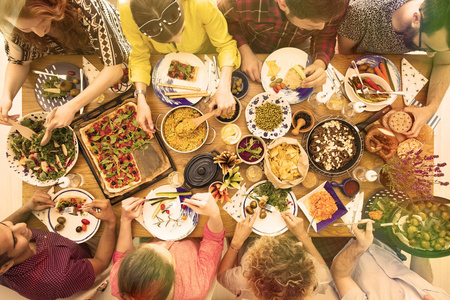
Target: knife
pixel 81 87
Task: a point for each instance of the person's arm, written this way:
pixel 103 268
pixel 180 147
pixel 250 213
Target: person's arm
pixel 223 97
pixel 345 261
pixel 15 77
pixel 105 248
pixel 251 64
pixel 439 84
pixel 345 45
pixel 296 226
pixel 422 267
pixel 39 201
pixel 131 209
pixel 144 113
pixel 241 233
pixel 65 113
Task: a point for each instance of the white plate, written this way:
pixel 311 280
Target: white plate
pixel 373 60
pixel 25 174
pixel 250 116
pixel 72 221
pixel 273 224
pixel 160 76
pixel 285 58
pixel 171 232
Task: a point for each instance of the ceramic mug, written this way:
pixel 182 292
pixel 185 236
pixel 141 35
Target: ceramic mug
pixel 349 187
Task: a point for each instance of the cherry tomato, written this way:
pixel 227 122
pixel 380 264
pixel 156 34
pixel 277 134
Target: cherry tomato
pixel 168 211
pixel 84 227
pixel 71 73
pixel 276 89
pixel 85 221
pixel 163 206
pixel 183 206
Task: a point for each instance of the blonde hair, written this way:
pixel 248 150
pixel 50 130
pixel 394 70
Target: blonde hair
pixel 278 268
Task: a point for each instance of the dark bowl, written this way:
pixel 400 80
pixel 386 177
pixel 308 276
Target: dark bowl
pixel 245 84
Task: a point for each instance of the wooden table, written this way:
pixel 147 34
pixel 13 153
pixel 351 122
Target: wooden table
pixel 421 62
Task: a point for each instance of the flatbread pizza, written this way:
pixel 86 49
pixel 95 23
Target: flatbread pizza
pixel 110 142
pixel 182 71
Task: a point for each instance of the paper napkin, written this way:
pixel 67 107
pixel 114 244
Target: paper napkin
pixel 234 208
pixel 354 208
pixel 412 81
pixel 332 85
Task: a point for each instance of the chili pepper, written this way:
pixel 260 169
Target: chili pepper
pixel 372 84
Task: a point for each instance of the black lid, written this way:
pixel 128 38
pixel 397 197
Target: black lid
pixel 201 171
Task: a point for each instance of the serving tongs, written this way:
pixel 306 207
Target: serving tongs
pixel 23 130
pixel 63 77
pixel 364 88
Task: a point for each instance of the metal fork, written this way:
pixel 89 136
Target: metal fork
pixel 364 88
pixel 63 77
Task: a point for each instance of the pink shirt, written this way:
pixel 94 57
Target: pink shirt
pixel 195 265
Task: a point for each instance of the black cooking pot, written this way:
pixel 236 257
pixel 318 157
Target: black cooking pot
pixel 201 170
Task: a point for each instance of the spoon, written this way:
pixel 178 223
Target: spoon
pixel 24 131
pixel 300 123
pixel 191 124
pixel 312 220
pixel 48 133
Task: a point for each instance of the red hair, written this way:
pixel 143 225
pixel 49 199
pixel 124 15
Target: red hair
pixel 64 16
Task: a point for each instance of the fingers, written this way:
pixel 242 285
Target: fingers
pixel 317 77
pixel 131 205
pixel 255 216
pixel 193 207
pixel 193 201
pixel 5 121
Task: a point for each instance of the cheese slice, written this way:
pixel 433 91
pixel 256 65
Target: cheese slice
pixel 412 81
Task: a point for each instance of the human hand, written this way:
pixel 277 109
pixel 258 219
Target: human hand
pixel 39 201
pixel 203 204
pixel 250 63
pixel 243 230
pixel 101 209
pixel 224 100
pixel 317 74
pixel 144 115
pixel 421 116
pixel 131 209
pixel 62 116
pixel 5 106
pixel 364 238
pixel 295 225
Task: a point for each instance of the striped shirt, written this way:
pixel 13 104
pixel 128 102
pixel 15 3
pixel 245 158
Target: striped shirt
pixel 59 269
pixel 264 27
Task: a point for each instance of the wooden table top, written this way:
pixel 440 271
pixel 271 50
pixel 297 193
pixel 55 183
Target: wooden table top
pixel 341 62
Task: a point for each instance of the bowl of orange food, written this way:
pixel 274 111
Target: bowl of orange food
pixel 327 203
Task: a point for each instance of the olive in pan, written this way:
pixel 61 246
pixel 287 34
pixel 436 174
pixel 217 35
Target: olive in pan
pixel 253 204
pixel 61 220
pixel 263 213
pixel 59 227
pixel 249 210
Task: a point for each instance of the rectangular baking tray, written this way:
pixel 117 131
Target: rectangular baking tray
pixel 93 115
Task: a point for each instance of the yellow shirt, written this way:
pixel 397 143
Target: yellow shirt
pixel 205 31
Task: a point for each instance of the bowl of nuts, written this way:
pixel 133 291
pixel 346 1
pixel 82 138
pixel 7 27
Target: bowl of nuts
pixel 239 84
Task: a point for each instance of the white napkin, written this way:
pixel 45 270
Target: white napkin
pixel 332 85
pixel 234 208
pixel 412 81
pixel 212 76
pixel 354 208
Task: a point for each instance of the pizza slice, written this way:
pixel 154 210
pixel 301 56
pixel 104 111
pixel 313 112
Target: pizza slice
pixel 182 71
pixel 111 141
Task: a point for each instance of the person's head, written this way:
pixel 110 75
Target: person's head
pixel 160 20
pixel 146 273
pixel 14 244
pixel 430 27
pixel 37 18
pixel 279 268
pixel 312 14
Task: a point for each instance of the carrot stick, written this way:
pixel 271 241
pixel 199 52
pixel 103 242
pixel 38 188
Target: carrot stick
pixel 391 83
pixel 385 73
pixel 379 73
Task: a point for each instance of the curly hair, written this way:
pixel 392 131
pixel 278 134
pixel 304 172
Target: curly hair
pixel 64 15
pixel 278 268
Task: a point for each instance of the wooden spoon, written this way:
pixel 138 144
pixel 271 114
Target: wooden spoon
pixel 186 129
pixel 23 130
pixel 48 133
pixel 300 123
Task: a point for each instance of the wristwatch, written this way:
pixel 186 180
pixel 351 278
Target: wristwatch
pixel 137 92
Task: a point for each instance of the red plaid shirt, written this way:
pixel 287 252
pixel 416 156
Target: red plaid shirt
pixel 59 269
pixel 264 27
